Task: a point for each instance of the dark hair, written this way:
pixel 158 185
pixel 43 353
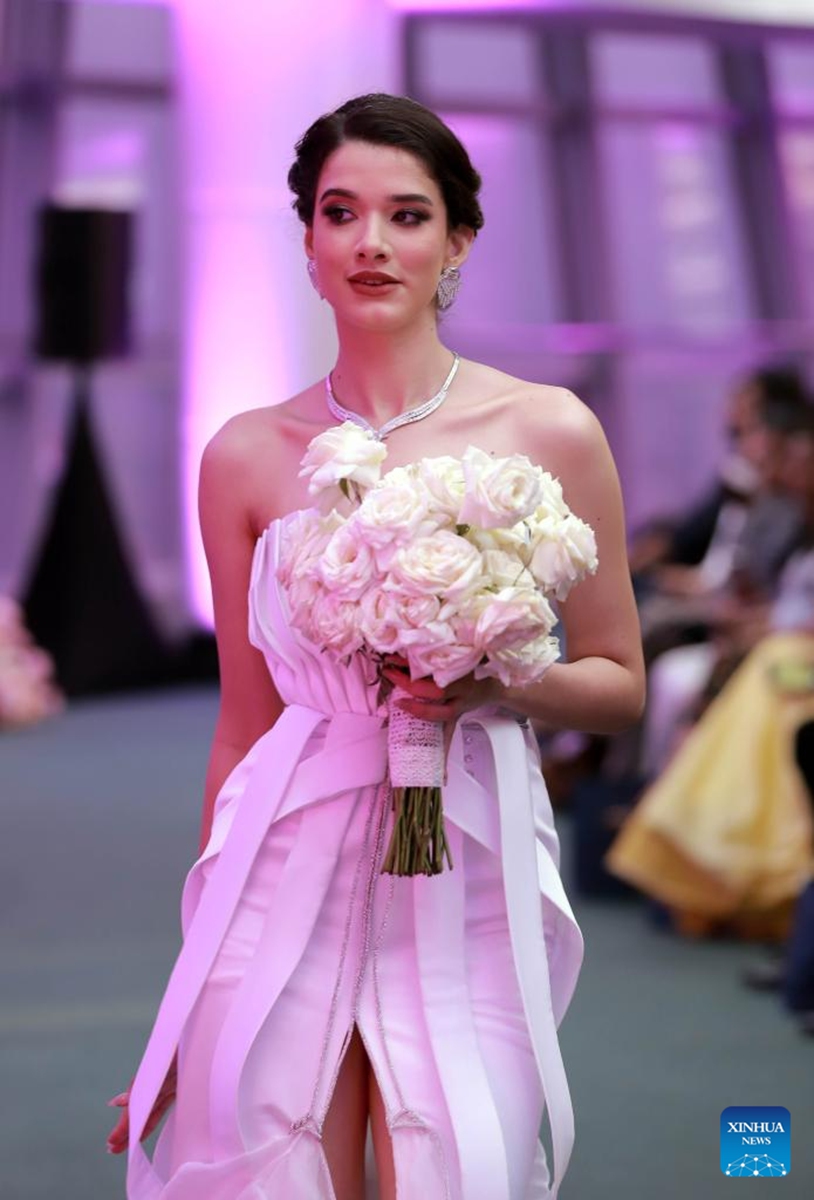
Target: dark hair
pixel 384 120
pixel 799 421
pixel 784 402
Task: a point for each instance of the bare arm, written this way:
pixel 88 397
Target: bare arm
pixel 600 689
pixel 249 703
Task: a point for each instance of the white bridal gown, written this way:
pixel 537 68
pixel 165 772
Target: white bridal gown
pixel 292 935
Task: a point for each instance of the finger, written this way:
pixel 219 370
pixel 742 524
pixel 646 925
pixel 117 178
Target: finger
pixel 119 1136
pixel 425 689
pixel 165 1097
pixel 398 678
pixel 427 711
pixel 122 1125
pixel 156 1115
pixel 395 669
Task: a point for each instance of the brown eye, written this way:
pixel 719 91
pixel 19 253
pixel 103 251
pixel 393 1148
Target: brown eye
pixel 410 216
pixel 337 214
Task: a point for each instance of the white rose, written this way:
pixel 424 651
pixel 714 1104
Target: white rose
pixel 379 621
pixel 445 661
pixel 512 617
pixel 564 554
pixel 442 564
pixel 581 541
pixel 335 624
pixel 394 510
pixel 512 539
pixel 420 612
pixel 407 477
pixel 519 666
pixel 409 613
pixel 346 564
pixel 342 454
pixel 499 492
pixel 301 593
pixel 443 477
pixel 438 632
pixel 552 503
pixel 504 569
pixel 304 537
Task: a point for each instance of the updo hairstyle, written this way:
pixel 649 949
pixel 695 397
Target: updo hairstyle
pixel 384 120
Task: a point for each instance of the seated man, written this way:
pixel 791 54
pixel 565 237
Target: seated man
pixel 696 552
pixel 683 680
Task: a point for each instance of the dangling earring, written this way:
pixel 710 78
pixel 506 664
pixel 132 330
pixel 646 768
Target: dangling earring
pixel 313 275
pixel 448 286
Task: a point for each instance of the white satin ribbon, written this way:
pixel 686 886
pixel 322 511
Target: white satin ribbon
pixel 354 755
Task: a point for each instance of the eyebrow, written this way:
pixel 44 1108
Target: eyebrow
pixel 402 198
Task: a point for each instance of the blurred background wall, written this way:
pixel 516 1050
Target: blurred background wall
pixel 648 187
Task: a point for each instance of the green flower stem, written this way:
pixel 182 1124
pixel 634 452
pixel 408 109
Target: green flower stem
pixel 418 843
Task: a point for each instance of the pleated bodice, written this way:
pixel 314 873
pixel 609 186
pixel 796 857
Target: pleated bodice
pixel 302 673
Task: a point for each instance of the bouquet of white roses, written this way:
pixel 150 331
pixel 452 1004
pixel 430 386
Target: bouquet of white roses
pixel 451 564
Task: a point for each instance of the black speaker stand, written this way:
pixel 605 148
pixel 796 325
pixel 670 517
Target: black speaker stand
pixel 82 603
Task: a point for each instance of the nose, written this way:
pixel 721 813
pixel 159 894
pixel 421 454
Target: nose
pixel 372 242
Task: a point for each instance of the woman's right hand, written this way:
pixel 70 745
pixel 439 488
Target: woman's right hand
pixel 119 1135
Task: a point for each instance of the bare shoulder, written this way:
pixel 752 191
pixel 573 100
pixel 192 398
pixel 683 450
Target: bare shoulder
pixel 255 455
pixel 235 442
pixel 251 434
pixel 556 423
pixel 565 437
pixel 549 423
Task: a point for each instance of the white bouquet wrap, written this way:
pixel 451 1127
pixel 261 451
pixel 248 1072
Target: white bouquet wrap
pixel 449 564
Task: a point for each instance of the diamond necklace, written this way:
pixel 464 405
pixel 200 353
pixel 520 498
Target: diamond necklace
pixel 405 418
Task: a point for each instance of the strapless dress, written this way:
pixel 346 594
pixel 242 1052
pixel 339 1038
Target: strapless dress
pixel 293 937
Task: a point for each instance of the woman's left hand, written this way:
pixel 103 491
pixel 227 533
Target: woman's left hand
pixel 119 1136
pixel 430 702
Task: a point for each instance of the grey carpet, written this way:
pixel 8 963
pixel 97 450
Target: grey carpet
pixel 100 812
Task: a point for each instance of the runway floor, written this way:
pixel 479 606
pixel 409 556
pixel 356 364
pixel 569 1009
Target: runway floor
pixel 100 821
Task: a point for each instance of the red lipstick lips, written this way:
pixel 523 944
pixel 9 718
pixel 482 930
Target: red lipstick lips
pixel 372 278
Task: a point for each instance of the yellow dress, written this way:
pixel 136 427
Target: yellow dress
pixel 724 835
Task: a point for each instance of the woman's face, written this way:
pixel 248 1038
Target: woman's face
pixel 379 236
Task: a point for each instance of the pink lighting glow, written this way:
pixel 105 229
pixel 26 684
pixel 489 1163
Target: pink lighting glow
pixel 231 333
pixel 253 76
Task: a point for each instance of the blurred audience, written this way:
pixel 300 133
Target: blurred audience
pixel 740 527
pixel 703 580
pixel 723 837
pixel 682 680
